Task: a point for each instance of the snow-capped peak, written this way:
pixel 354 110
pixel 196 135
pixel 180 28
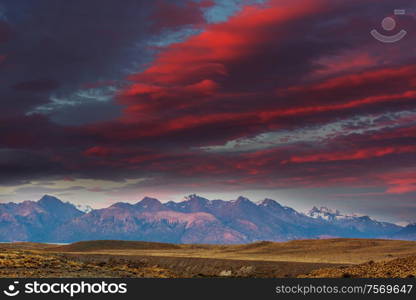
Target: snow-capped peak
pixel 329 214
pixel 324 213
pixel 267 202
pixel 84 208
pixel 194 197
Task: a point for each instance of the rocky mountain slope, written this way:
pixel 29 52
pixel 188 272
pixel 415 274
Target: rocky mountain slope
pixel 407 233
pixel 194 220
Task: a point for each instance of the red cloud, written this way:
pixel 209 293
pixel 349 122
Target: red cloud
pixel 397 77
pixel 258 72
pixel 99 151
pixel 351 155
pixel 221 84
pixel 207 54
pixel 348 62
pixel 406 132
pixel 192 84
pixel 155 98
pixel 400 182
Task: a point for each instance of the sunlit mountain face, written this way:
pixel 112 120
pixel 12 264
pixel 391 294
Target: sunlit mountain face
pixel 194 220
pixel 294 100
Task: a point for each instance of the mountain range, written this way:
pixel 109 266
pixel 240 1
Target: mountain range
pixel 194 220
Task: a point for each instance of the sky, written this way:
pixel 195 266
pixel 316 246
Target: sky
pixel 294 100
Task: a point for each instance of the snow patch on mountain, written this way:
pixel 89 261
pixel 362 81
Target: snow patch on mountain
pixel 84 208
pixel 329 214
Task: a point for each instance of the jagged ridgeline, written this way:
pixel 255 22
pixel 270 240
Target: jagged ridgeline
pixel 194 220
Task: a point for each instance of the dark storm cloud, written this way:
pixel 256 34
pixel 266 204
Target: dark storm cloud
pixel 53 49
pixel 36 86
pixel 61 46
pixel 66 43
pixel 5 32
pixel 175 14
pixel 208 84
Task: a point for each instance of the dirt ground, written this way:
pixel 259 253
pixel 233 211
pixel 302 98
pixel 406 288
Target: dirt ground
pixel 25 263
pixel 396 268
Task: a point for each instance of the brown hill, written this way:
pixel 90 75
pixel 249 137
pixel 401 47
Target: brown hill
pixel 331 250
pixel 396 268
pixel 113 245
pixel 338 251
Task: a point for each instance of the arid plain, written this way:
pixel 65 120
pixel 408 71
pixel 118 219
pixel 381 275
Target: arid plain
pixel 302 258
